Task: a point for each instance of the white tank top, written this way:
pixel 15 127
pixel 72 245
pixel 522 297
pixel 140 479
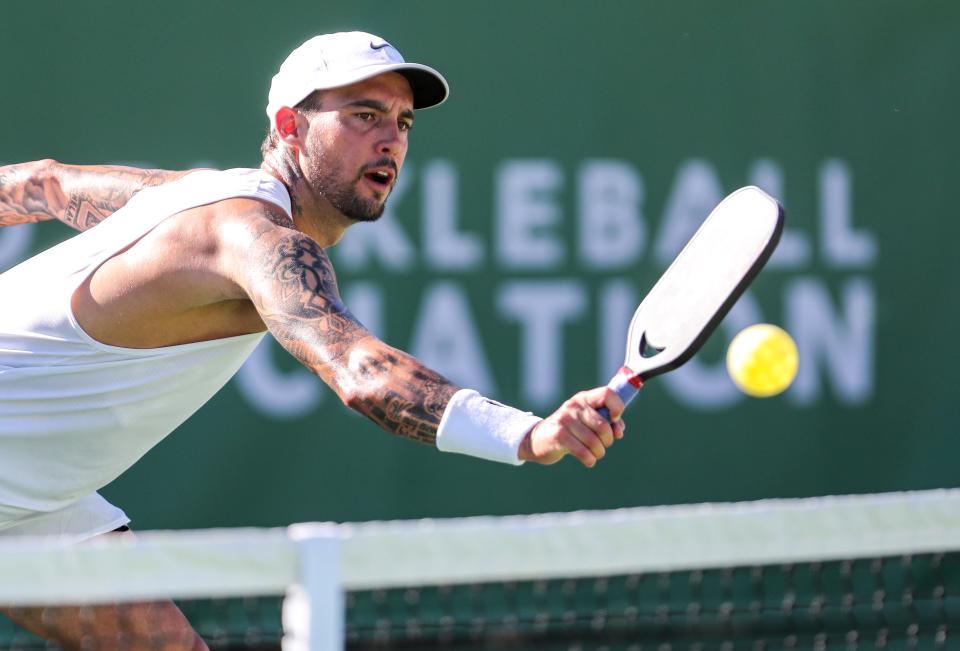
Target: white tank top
pixel 75 413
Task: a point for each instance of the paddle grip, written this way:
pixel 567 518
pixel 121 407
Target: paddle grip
pixel 626 383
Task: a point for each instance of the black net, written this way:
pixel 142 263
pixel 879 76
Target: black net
pixel 903 602
pixel 908 602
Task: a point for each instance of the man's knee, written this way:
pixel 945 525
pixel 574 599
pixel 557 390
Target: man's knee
pixel 153 625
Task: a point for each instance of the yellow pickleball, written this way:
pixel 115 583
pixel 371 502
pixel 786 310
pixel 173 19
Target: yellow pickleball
pixel 762 360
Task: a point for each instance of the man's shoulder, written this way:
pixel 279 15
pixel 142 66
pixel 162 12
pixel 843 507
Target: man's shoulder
pixel 211 188
pixel 247 209
pixel 239 227
pixel 227 227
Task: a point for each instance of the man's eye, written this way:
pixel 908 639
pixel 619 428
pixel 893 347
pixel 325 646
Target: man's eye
pixel 365 116
pixel 405 126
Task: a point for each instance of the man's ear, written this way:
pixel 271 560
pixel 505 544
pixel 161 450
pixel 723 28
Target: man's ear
pixel 289 127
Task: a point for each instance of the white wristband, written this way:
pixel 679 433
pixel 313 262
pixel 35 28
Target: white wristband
pixel 480 427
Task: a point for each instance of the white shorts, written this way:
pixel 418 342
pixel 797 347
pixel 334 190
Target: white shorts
pixel 85 518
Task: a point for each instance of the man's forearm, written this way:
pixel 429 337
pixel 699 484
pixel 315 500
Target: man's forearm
pixel 386 385
pixel 398 393
pixel 79 196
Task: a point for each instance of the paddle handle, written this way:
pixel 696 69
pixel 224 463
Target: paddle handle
pixel 626 383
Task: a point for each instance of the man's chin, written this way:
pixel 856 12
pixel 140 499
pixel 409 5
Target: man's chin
pixel 358 208
pixel 365 213
pixel 366 218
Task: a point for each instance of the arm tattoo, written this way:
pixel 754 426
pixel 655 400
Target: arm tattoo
pixel 295 290
pixel 412 402
pixel 26 196
pixel 80 197
pixel 307 309
pixel 98 192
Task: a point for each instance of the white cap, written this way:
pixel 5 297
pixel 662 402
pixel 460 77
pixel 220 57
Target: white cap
pixel 344 58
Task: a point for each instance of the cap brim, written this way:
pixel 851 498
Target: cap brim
pixel 428 86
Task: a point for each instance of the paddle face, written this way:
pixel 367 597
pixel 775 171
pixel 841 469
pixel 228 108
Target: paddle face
pixel 699 288
pixel 703 282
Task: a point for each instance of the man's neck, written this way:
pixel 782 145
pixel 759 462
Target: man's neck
pixel 312 213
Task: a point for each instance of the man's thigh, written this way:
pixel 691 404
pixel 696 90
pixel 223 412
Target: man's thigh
pixel 155 625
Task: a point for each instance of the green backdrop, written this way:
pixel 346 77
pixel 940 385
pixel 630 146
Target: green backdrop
pixel 581 143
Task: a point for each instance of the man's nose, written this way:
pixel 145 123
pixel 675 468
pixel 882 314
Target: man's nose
pixel 391 140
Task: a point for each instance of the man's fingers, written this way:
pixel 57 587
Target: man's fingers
pixel 603 429
pixel 574 446
pixel 614 404
pixel 578 429
pixel 619 427
pixel 586 436
pixel 606 397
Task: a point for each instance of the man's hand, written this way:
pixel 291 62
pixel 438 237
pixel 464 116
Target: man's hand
pixel 576 428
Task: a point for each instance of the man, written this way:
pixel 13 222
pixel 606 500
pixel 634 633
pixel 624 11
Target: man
pixel 113 338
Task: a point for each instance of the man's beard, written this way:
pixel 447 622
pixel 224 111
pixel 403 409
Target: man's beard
pixel 346 200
